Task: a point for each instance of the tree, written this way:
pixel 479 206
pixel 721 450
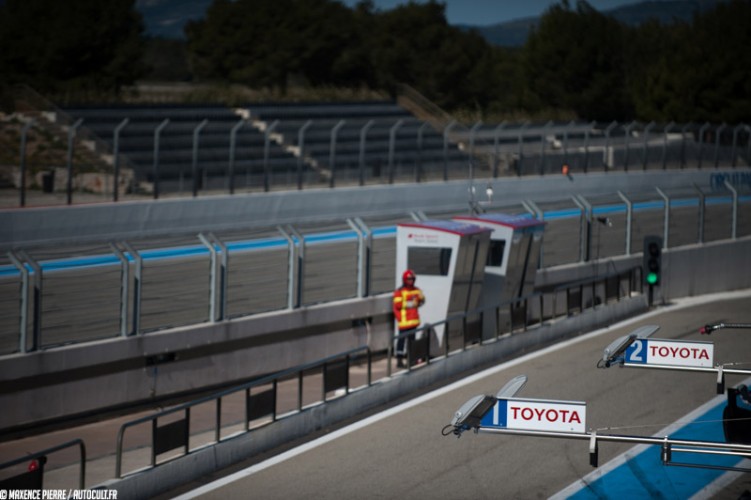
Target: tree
pixel 575 60
pixel 76 45
pixel 694 72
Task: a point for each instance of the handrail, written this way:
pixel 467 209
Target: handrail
pixel 273 378
pixel 47 451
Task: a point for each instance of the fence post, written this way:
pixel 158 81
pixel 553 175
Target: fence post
pixel 734 226
pixel 629 218
pixel 418 166
pixel 392 146
pixel 212 276
pixel 702 130
pixel 22 166
pixel 521 149
pixel 542 146
pixel 116 157
pixel 266 153
pixel 718 133
pixel 665 144
pixel 363 142
pixel 606 154
pixel 446 132
pixel 157 135
pixel 332 153
pixel 196 134
pixel 292 257
pixel 702 204
pixel 24 302
pixel 71 136
pixel 232 145
pixel 124 289
pixel 647 129
pixel 666 218
pixel 496 152
pixel 301 151
pixel 626 144
pixel 36 332
pixel 137 276
pixel 300 264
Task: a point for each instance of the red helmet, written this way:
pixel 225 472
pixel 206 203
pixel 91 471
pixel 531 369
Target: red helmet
pixel 408 275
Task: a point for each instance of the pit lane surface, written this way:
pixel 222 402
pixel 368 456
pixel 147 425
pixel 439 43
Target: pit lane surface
pixel 400 453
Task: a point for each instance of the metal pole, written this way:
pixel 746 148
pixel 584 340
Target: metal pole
pixel 266 154
pixel 606 153
pixel 392 147
pixel 734 226
pixel 301 151
pixel 116 158
pixel 363 142
pixel 290 267
pixel 735 144
pixel 702 204
pixel 629 218
pixel 332 153
pixel 232 145
pixel 626 143
pixel 24 302
pixel 223 272
pixel 446 132
pixel 647 129
pixel 666 218
pixel 138 280
pixel 124 292
pixel 521 148
pixel 496 146
pixel 665 145
pixel 360 257
pixel 22 166
pixel 583 234
pixel 212 276
pixel 684 130
pixel 702 130
pixel 300 263
pixel 717 145
pixel 542 146
pixel 157 134
pixel 418 166
pixel 71 136
pixel 36 335
pixel 196 135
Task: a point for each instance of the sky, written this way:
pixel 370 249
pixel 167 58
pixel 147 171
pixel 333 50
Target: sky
pixel 486 12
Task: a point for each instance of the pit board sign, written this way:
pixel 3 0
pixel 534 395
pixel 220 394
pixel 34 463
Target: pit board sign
pixel 536 414
pixel 670 353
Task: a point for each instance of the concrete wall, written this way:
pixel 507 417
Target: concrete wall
pixel 74 379
pixel 210 459
pixel 106 221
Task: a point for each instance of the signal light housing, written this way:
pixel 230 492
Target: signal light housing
pixel 652 260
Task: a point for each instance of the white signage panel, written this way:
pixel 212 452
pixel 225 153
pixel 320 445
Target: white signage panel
pixel 535 414
pixel 670 353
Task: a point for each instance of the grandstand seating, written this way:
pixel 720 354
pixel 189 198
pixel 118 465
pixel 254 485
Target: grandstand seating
pixel 417 150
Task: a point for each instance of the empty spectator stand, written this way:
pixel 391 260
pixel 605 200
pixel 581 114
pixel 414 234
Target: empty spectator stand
pixel 371 142
pixel 177 147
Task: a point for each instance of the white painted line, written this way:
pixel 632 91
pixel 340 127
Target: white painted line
pixel 677 305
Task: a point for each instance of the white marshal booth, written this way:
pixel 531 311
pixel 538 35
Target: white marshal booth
pixel 448 258
pixel 513 258
pixel 467 263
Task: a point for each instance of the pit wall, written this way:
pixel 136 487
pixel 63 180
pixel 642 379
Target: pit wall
pixel 76 379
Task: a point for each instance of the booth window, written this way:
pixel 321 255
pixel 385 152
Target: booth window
pixel 429 261
pixel 495 253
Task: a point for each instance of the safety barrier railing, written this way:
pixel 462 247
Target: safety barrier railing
pixel 257 405
pixel 516 315
pixel 261 404
pixel 33 478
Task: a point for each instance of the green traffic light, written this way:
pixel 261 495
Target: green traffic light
pixel 652 278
